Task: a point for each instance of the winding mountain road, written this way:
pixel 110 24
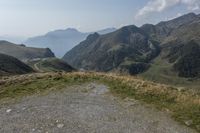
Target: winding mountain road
pixel 37 68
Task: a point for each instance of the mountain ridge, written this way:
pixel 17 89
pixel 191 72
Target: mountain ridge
pixel 61 41
pixel 24 53
pixel 132 49
pixel 106 48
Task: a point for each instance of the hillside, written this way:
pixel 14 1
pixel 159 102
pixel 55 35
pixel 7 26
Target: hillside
pixel 128 49
pixel 136 49
pixel 162 30
pixel 50 65
pixel 61 41
pixel 180 50
pixel 10 65
pixel 24 53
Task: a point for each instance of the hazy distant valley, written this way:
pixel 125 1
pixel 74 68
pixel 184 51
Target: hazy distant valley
pixel 61 41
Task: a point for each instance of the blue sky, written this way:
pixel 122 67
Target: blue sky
pixel 35 17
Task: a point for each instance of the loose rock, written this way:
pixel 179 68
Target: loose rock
pixel 60 125
pixel 8 110
pixel 189 122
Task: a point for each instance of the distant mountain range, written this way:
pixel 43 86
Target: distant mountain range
pixel 171 47
pixel 24 53
pixel 13 39
pixel 61 41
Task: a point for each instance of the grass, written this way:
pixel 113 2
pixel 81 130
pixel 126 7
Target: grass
pixel 181 104
pixel 161 72
pixel 37 84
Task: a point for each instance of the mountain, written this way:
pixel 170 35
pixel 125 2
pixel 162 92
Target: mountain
pixel 170 48
pixel 127 49
pixel 181 46
pixel 164 29
pixel 10 65
pixel 24 53
pixel 106 31
pixel 179 41
pixel 61 41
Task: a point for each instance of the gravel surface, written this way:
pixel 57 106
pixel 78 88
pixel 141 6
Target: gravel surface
pixel 88 108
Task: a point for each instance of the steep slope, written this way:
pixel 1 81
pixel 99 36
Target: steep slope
pixel 24 53
pixel 61 41
pixel 185 33
pixel 163 29
pixel 180 47
pixel 10 65
pixel 188 64
pixel 127 49
pixel 175 43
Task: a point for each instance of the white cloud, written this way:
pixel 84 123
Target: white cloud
pixel 161 5
pixel 192 4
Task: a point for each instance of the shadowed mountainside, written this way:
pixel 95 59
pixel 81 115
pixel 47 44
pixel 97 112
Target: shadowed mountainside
pixel 179 43
pixel 10 65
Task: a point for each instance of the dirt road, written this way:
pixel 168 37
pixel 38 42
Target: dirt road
pixel 88 108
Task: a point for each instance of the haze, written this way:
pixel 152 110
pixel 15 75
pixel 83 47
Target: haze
pixel 26 18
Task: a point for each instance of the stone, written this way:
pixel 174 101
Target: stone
pixel 8 110
pixel 60 125
pixel 189 122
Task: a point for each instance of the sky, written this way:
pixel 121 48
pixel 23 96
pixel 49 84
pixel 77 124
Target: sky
pixel 26 18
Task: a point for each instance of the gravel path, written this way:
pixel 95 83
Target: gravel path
pixel 87 108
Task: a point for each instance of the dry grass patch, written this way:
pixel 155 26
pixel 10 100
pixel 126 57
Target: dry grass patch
pixel 183 105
